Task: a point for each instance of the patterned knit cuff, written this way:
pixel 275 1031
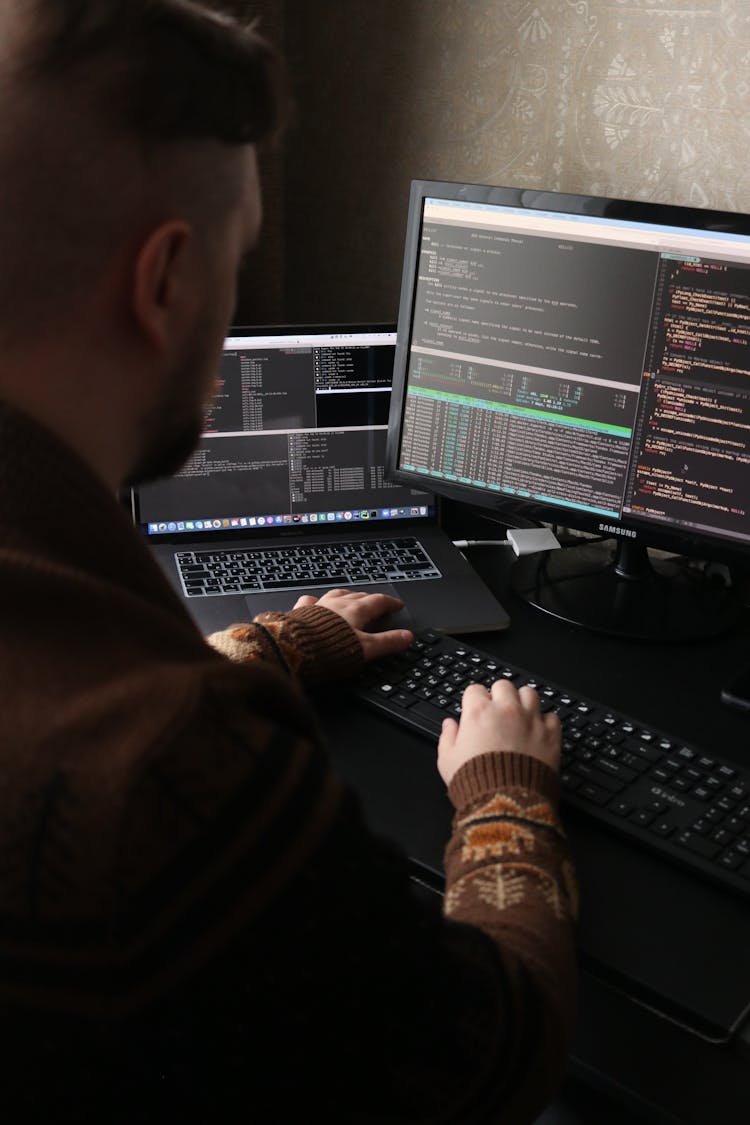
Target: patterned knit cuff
pixel 327 645
pixel 488 773
pixel 313 643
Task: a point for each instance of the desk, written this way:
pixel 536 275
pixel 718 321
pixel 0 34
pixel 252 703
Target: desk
pixel 656 944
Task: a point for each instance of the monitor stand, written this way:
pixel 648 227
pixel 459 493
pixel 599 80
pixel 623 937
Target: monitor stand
pixel 616 588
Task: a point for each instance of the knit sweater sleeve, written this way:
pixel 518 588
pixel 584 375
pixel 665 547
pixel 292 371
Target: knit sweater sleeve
pixel 312 643
pixel 508 872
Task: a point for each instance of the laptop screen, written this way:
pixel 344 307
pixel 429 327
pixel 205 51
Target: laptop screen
pixel 295 435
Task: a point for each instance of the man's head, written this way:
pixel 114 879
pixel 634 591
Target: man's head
pixel 128 195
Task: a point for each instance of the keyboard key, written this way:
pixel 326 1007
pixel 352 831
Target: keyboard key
pixel 701 793
pixel 403 698
pixel 595 794
pixel 732 860
pixel 600 780
pixel 425 710
pixel 698 844
pixel 650 753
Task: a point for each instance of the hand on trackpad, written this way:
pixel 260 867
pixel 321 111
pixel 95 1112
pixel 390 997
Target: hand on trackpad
pixel 281 601
pixel 398 619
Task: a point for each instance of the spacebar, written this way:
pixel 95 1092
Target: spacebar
pixel 310 580
pixel 432 717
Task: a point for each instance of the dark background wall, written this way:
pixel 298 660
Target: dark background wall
pixel 632 98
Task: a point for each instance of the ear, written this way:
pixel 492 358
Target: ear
pixel 162 289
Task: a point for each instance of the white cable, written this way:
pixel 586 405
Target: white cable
pixel 462 543
pixel 523 541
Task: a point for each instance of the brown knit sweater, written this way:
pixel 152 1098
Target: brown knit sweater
pixel 195 923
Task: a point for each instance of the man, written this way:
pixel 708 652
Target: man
pixel 195 923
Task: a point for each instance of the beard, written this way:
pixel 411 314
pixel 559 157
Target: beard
pixel 165 450
pixel 171 429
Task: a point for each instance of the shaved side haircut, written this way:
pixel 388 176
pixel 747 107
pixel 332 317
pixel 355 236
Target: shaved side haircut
pixel 111 113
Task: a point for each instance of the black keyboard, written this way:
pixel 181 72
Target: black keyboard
pixel 360 562
pixel 688 806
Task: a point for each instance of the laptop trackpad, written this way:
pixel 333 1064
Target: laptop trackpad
pixel 279 601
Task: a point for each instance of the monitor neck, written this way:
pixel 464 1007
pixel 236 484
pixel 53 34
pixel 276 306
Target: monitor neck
pixel 615 587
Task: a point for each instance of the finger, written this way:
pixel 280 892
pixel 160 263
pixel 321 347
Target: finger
pixel 382 603
pixel 446 749
pixel 305 600
pixel 377 645
pixel 504 692
pixel 375 604
pixel 368 607
pixel 552 726
pixel 477 690
pixel 448 735
pixel 553 738
pixel 529 698
pixel 474 697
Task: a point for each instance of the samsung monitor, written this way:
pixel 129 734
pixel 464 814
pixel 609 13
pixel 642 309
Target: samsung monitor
pixel 583 362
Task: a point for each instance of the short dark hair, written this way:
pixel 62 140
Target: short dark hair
pixel 165 69
pixel 106 103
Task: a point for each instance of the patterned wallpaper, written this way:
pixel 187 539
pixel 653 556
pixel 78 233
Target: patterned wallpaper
pixel 646 99
pixel 642 98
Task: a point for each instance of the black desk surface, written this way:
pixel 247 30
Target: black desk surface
pixel 665 958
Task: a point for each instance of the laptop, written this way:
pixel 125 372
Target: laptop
pixel 292 460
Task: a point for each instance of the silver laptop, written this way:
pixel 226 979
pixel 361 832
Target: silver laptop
pixel 287 494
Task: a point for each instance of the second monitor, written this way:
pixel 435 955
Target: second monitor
pixel 584 362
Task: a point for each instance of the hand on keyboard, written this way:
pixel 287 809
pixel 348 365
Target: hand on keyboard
pixel 498 719
pixel 685 803
pixel 360 610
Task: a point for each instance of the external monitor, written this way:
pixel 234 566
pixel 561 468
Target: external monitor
pixel 583 362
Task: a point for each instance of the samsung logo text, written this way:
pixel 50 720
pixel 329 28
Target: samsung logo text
pixel 610 530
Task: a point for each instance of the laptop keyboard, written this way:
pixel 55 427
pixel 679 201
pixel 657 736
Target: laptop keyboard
pixel 292 567
pixel 689 806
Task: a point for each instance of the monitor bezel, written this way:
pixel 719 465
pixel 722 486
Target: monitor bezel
pixel 694 543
